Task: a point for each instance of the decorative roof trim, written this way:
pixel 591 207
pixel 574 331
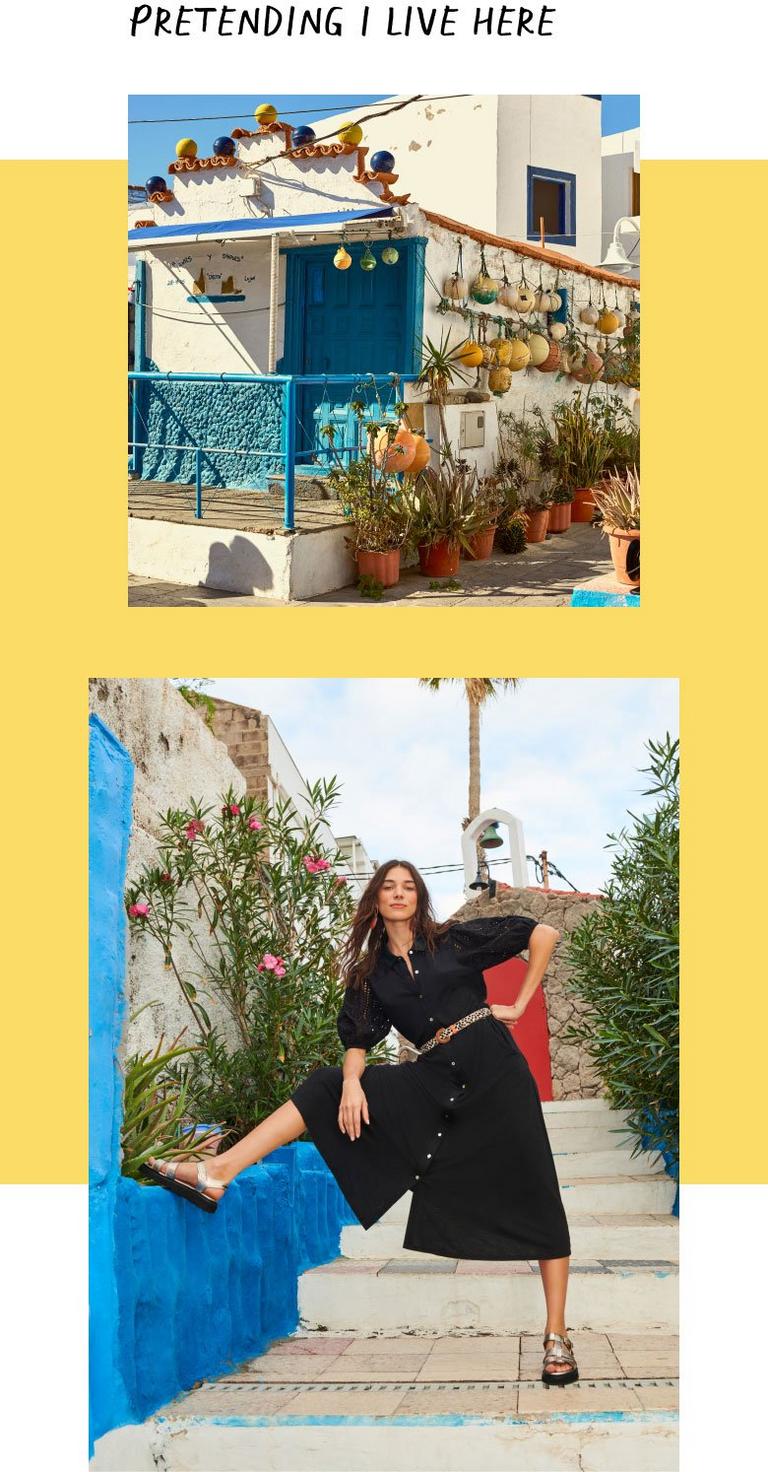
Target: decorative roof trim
pixel 144 225
pixel 535 252
pixel 161 196
pixel 196 165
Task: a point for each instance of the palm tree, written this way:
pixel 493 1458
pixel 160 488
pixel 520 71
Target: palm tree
pixel 477 693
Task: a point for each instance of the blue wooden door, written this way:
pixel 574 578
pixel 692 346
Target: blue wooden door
pixel 351 321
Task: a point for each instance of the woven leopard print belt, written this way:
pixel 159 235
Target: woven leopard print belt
pixel 444 1033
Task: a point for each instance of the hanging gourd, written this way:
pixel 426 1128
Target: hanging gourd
pixel 620 318
pixel 507 296
pixel 421 456
pixel 390 255
pixel 265 113
pixel 484 288
pixel 397 453
pixel 587 367
pixel 342 259
pixel 367 259
pixel 543 301
pixel 521 355
pixel 502 348
pixel 455 286
pixel 589 315
pixel 470 353
pixel 499 380
pixel 552 360
pixel 526 298
pixel 350 133
pixel 557 331
pixel 538 347
pixel 607 321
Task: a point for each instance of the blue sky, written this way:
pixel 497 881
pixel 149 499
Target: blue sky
pixel 151 146
pixel 562 755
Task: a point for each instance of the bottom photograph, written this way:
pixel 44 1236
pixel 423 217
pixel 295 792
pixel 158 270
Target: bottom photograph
pixel 383 1070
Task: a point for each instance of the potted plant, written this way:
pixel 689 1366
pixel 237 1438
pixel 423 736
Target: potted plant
pixel 489 502
pixel 579 449
pixel 618 500
pixel 525 457
pixel 444 513
pixel 372 497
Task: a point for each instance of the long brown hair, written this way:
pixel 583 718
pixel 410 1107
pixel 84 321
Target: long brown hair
pixel 366 939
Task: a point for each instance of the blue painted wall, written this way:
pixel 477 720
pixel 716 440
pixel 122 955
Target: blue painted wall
pixel 177 1294
pixel 238 416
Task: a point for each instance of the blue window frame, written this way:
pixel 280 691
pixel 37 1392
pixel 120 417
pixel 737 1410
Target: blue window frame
pixel 552 193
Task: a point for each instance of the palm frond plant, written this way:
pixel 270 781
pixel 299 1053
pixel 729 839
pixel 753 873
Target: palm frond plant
pixel 445 507
pixel 156 1108
pixel 617 497
pixel 441 368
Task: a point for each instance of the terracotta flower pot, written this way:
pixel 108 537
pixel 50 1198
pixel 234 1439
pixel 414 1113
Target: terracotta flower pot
pixel 625 553
pixel 383 566
pixel 481 544
pixel 439 559
pixel 537 524
pixel 560 516
pixel 583 507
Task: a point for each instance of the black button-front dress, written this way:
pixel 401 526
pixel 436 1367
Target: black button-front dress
pixel 461 1127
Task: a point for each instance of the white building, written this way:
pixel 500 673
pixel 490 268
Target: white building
pixel 621 192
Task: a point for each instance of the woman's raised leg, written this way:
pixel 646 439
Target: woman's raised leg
pixel 279 1128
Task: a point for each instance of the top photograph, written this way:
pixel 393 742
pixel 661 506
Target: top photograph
pixel 384 350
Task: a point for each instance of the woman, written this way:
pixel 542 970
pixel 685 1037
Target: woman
pixel 462 1128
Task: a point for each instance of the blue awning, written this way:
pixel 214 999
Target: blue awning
pixel 242 229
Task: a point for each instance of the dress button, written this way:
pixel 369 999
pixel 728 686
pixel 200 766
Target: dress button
pixel 453 1096
pixel 429 1157
pixel 431 1019
pixel 439 1134
pixel 417 1178
pixel 453 1063
pixel 415 970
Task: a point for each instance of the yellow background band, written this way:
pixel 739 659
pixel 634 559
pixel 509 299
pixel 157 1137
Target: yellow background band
pixel 702 619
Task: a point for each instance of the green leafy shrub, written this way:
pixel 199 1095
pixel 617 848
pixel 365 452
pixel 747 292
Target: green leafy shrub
pixel 624 965
pixel 261 904
pixel 156 1108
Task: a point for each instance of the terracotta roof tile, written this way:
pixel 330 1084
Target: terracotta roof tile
pixel 535 252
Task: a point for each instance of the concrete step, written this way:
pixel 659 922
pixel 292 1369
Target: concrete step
pixel 574 1165
pixel 630 1237
pixel 619 1441
pixel 440 1294
pixel 454 1401
pixel 585 1137
pixel 597 1196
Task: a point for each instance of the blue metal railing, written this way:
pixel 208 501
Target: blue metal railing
pixel 288 454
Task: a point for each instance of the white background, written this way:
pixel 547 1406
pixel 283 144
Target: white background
pixel 699 67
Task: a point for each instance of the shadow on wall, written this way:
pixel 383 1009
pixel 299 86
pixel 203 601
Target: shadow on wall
pixel 176 1294
pixel 238 567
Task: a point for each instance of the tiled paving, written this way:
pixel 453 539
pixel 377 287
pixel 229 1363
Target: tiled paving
pixel 488 1375
pixel 402 1266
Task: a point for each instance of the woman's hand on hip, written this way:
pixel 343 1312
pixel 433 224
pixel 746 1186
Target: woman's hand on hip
pixel 353 1109
pixel 508 1014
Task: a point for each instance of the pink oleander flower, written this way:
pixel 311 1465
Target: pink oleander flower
pixel 272 963
pixel 138 912
pixel 315 866
pixel 195 826
pixel 254 824
pixel 231 810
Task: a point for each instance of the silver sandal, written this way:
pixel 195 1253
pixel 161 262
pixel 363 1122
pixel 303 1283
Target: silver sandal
pixel 196 1193
pixel 562 1353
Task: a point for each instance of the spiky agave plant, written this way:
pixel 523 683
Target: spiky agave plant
pixel 617 497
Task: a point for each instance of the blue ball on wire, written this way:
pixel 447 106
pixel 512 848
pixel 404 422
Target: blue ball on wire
pixel 383 162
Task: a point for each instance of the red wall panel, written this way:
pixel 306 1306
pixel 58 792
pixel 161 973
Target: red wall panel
pixel 531 1033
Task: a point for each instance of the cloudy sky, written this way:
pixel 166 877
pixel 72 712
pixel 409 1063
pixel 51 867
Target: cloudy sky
pixel 562 755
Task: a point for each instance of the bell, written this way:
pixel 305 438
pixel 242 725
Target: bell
pixel 367 259
pixel 490 837
pixel 478 882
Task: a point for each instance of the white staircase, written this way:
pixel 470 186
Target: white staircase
pixel 405 1360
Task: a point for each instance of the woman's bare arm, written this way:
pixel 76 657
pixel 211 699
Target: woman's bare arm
pixel 354 1105
pixel 541 944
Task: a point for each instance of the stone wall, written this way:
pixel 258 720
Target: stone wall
pixel 245 733
pixel 573 1074
pixel 176 757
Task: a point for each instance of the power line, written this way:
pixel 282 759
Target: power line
pixel 232 117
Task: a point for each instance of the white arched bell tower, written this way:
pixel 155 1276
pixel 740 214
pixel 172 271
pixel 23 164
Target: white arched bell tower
pixel 516 872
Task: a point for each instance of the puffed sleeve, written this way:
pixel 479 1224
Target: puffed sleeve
pixel 491 939
pixel 362 1021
